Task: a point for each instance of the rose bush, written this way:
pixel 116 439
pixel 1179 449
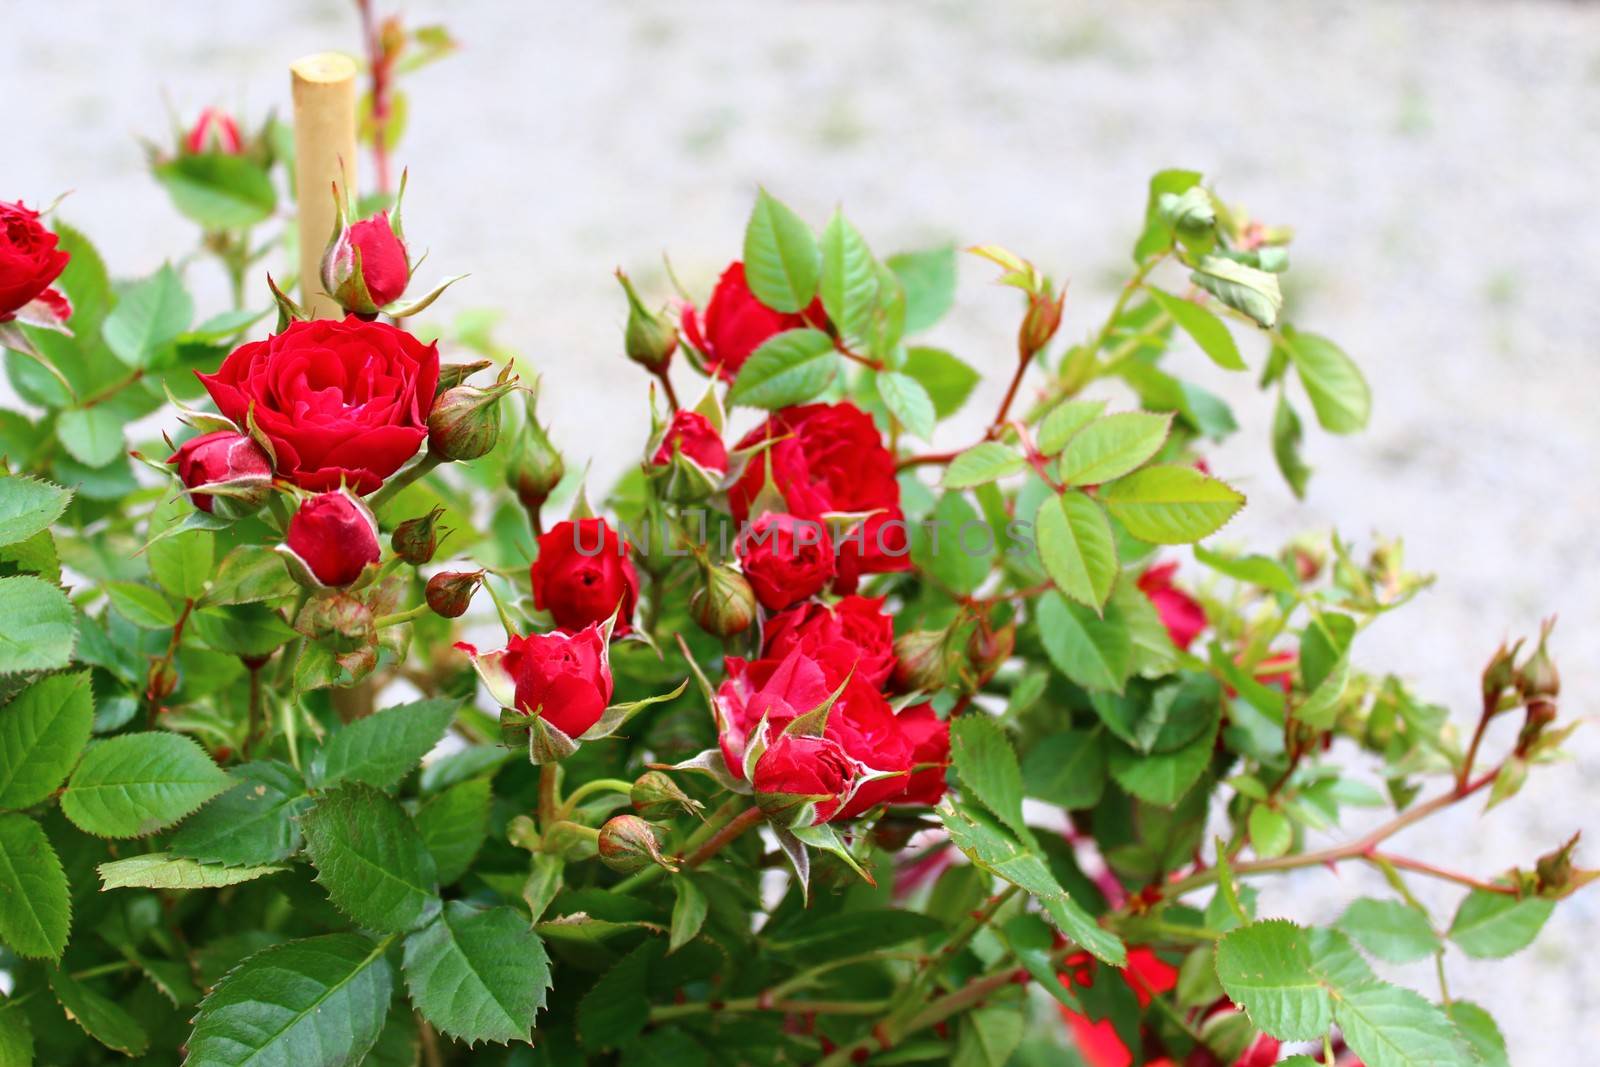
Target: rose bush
pixel 352 732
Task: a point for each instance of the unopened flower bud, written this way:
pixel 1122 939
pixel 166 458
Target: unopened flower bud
pixel 628 844
pixel 535 467
pixel 416 540
pixel 214 131
pixel 450 592
pixel 921 660
pixel 1538 677
pixel 650 337
pixel 1500 673
pixel 161 680
pixel 365 267
pixel 653 792
pixel 331 541
pixel 236 471
pixel 725 604
pixel 340 619
pixel 987 650
pixel 465 422
pixel 1555 869
pixel 1041 322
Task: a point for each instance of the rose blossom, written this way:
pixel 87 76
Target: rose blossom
pixel 929 737
pixel 854 634
pixel 814 768
pixel 583 574
pixel 342 402
pixel 735 323
pixel 1180 613
pixel 213 131
pixel 333 537
pixel 830 458
pixel 222 457
pixel 691 434
pixel 786 559
pixel 30 260
pixel 384 267
pixel 564 679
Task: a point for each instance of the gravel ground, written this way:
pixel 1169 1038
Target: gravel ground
pixel 1436 159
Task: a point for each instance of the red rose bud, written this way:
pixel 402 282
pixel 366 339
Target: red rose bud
pixel 29 261
pixel 725 605
pixel 796 770
pixel 921 660
pixel 234 467
pixel 654 792
pixel 735 323
pixel 465 423
pixel 649 338
pixel 365 267
pixel 627 844
pixel 691 435
pixel 213 131
pixel 987 652
pixel 449 593
pixel 786 559
pixel 332 539
pixel 535 468
pixel 1040 323
pixel 343 402
pixel 416 540
pixel 564 679
pixel 584 574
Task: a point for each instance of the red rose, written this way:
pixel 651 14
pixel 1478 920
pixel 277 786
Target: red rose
pixel 854 634
pixel 830 458
pixel 221 458
pixel 871 734
pixel 1180 613
pixel 341 401
pixel 1098 1042
pixel 929 737
pixel 29 261
pixel 366 267
pixel 777 690
pixel 691 434
pixel 583 574
pixel 785 558
pixel 794 769
pixel 565 679
pixel 332 538
pixel 735 323
pixel 213 131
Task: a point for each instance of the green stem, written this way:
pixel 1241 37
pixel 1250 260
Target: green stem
pixel 549 794
pixel 588 789
pixel 401 616
pixel 713 825
pixel 394 485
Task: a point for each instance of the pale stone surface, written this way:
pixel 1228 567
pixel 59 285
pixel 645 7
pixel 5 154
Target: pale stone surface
pixel 1437 160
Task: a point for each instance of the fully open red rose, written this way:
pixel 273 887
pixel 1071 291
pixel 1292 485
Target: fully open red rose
pixel 222 457
pixel 213 131
pixel 341 401
pixel 735 323
pixel 854 634
pixel 333 537
pixel 786 559
pixel 830 458
pixel 584 571
pixel 29 261
pixel 1180 613
pixel 692 434
pixel 563 678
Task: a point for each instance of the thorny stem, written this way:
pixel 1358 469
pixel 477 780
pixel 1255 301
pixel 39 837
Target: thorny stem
pixel 1406 863
pixel 725 836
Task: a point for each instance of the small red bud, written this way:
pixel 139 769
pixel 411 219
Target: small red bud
pixel 449 593
pixel 416 540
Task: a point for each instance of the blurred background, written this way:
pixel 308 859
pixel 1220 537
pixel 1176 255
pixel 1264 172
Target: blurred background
pixel 1437 161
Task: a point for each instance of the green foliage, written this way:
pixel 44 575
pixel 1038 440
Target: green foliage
pixel 789 368
pixel 136 784
pixel 371 859
pixel 478 975
pixel 35 910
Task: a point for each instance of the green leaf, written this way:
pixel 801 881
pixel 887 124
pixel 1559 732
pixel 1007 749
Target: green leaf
pixel 1270 833
pixel 1392 1027
pixel 93 436
pixel 1110 447
pixel 370 859
pixel 478 975
pixel 320 1000
pixel 1074 542
pixel 954 544
pixel 849 284
pixel 148 316
pixel 929 279
pixel 248 574
pixel 947 379
pixel 982 464
pixel 1064 420
pixel 183 562
pixel 16 1039
pixel 1171 505
pixel 242 629
pixel 136 784
pixel 1266 969
pixel 1033 943
pixel 28 506
pixel 1338 391
pixel 1390 930
pixel 789 368
pixel 35 903
pixel 1208 331
pixel 987 766
pixel 1477 1027
pixel 100 1018
pixel 1067 768
pixel 1245 289
pixel 617 1007
pixel 688 912
pixel 1163 778
pixel 1095 652
pixel 141 605
pixel 42 732
pixel 782 263
pixel 1321 706
pixel 219 191
pixel 160 870
pixel 993 848
pixel 1257 570
pixel 254 822
pixel 454 825
pixel 40 629
pixel 1286 437
pixel 1490 926
pixel 988 1036
pixel 908 402
pixel 381 748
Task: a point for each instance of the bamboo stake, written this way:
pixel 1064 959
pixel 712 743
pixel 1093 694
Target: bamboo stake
pixel 324 88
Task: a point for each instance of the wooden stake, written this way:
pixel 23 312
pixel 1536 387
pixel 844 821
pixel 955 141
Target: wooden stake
pixel 324 87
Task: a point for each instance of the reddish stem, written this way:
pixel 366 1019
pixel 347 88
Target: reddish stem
pixel 378 66
pixel 740 823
